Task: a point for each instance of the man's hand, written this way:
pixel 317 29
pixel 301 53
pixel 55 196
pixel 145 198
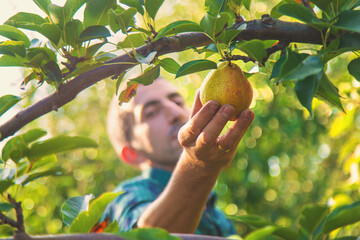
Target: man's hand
pixel 200 135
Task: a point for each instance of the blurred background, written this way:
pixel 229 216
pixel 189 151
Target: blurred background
pixel 287 159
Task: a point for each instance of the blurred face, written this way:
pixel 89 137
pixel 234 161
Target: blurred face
pixel 159 112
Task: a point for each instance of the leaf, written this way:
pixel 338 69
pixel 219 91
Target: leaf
pixel 53 72
pixel 135 4
pixel 5 207
pixel 195 66
pixel 7 230
pixel 178 27
pixel 230 35
pixel 121 21
pixel 299 66
pixel 13 47
pixel 57 15
pixel 16 148
pixel 14 34
pixel 96 11
pixel 127 94
pixel 72 207
pixel 347 20
pixel 254 48
pixel 46 54
pixel 342 216
pixel 43 5
pixel 7 102
pixel 23 18
pixel 87 219
pixel 71 7
pixel 328 93
pixel 276 71
pixel 152 7
pixel 90 51
pixel 118 81
pixel 58 144
pixel 146 60
pixel 94 32
pixel 312 216
pixel 215 7
pixel 299 12
pixel 354 68
pixel 10 61
pixel 147 234
pixel 5 184
pixel 306 89
pixel 29 177
pixel 261 233
pixel 84 67
pixel 247 4
pixel 148 76
pixel 213 26
pixel 73 30
pixel 322 4
pixel 170 65
pixel 133 41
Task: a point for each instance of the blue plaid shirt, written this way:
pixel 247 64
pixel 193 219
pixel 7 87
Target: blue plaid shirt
pixel 140 191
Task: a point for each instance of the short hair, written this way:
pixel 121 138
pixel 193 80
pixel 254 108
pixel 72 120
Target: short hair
pixel 119 124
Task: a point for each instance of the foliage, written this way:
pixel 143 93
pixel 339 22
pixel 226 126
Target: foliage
pixel 285 161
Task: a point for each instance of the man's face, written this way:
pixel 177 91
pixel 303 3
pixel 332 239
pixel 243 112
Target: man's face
pixel 159 112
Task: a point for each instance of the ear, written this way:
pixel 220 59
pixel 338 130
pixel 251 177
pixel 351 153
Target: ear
pixel 131 157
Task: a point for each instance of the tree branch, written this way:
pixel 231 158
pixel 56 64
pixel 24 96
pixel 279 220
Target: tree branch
pixel 266 28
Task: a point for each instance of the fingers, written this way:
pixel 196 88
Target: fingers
pixel 233 136
pixel 191 130
pixel 213 129
pixel 196 105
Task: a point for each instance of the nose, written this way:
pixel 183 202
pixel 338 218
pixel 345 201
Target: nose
pixel 175 113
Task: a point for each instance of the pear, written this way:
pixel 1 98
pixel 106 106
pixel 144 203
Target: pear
pixel 227 85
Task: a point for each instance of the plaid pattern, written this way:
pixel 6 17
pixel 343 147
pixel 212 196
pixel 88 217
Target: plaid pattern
pixel 140 191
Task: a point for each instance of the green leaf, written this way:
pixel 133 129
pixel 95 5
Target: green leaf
pixel 195 66
pixel 7 230
pixel 133 41
pixel 354 68
pixel 57 15
pixel 299 66
pixel 16 148
pixel 87 219
pixel 90 51
pixel 96 12
pixel 13 47
pixel 148 234
pixel 73 30
pixel 152 7
pixel 342 216
pixel 53 72
pixel 230 35
pixel 215 7
pixel 348 19
pixel 72 207
pixel 5 184
pixel 43 5
pixel 254 48
pixel 213 26
pixel 94 32
pixel 84 67
pixel 135 4
pixel 118 81
pixel 349 41
pixel 14 34
pixel 306 89
pixel 299 12
pixel 10 61
pixel 261 233
pixel 23 18
pixel 29 177
pixel 178 27
pixel 170 65
pixel 322 4
pixel 312 216
pixel 71 7
pixel 7 102
pixel 58 144
pixel 247 4
pixel 149 75
pixel 46 54
pixel 328 93
pixel 121 21
pixel 5 207
pixel 146 60
pixel 276 71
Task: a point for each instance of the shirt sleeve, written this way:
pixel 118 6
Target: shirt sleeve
pixel 127 208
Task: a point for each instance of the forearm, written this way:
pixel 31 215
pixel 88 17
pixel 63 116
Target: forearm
pixel 179 208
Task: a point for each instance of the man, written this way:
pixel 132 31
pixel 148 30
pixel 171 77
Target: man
pixel 180 167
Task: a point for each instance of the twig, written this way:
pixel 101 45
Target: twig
pixel 19 214
pixel 281 45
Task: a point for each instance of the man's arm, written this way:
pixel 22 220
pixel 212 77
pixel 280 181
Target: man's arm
pixel 180 206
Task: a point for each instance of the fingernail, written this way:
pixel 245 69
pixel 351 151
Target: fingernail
pixel 228 111
pixel 214 106
pixel 247 114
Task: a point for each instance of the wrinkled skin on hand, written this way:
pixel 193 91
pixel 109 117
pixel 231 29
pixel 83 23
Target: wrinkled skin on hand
pixel 200 136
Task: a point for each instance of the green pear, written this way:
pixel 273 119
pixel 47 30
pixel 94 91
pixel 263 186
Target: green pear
pixel 227 85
